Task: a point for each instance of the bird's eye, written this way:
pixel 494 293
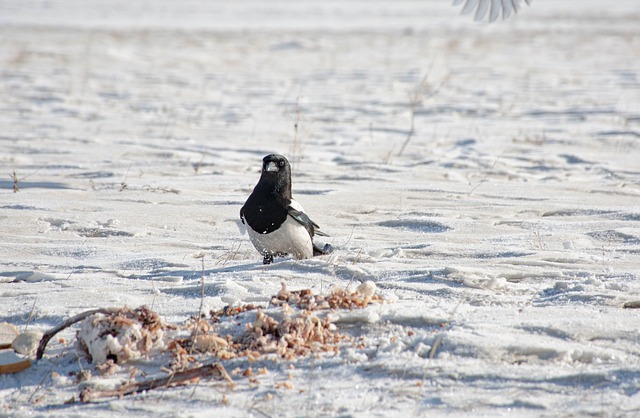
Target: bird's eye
pixel 281 163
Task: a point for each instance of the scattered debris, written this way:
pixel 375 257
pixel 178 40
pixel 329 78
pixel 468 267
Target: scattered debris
pixel 121 336
pixel 293 336
pixel 209 343
pixel 337 298
pixel 295 324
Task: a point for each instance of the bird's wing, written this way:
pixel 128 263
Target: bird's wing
pixel 494 7
pixel 297 213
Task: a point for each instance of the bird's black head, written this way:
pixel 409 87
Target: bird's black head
pixel 275 163
pixel 276 175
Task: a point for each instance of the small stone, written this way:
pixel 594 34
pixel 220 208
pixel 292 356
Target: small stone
pixel 27 342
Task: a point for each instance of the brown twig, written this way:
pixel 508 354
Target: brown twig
pixel 208 370
pixel 197 330
pixel 16 181
pixel 49 334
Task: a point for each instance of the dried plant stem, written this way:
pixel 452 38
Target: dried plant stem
pixel 123 185
pixel 33 308
pixel 416 97
pixel 46 375
pixel 296 145
pixel 487 173
pixel 197 330
pixel 16 182
pixel 412 129
pixel 215 370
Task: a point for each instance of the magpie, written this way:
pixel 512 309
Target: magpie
pixel 277 224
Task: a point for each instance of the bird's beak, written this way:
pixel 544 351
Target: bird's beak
pixel 272 167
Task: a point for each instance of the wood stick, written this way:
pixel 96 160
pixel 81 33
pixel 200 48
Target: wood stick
pixel 49 334
pixel 215 370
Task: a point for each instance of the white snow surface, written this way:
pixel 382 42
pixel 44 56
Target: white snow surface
pixel 485 177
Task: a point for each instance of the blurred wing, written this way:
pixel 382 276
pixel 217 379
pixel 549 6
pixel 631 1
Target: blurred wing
pixel 470 5
pixel 494 7
pixel 482 9
pixel 507 8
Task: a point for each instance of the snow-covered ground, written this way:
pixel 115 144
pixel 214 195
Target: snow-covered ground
pixel 485 177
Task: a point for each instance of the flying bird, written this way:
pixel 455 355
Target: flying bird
pixel 494 7
pixel 277 225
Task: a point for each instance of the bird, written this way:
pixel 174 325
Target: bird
pixel 494 7
pixel 278 225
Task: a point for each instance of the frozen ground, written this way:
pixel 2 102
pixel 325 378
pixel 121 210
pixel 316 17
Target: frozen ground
pixel 504 226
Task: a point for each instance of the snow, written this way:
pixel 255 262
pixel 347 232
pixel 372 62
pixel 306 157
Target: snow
pixel 484 177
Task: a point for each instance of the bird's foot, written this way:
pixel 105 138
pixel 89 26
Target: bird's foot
pixel 268 257
pixel 326 249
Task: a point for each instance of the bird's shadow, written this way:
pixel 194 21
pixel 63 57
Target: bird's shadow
pixel 189 275
pixel 191 283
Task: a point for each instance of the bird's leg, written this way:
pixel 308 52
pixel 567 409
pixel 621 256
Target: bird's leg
pixel 268 258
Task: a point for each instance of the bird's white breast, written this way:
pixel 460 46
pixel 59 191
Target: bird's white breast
pixel 291 238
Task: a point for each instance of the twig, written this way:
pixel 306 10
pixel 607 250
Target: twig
pixel 439 338
pixel 201 257
pixel 416 97
pixel 123 185
pixel 296 145
pixel 412 129
pixel 487 173
pixel 46 375
pixel 230 255
pixel 15 179
pixel 49 334
pixel 208 370
pixel 160 189
pixel 33 308
pixel 438 341
pixel 196 166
